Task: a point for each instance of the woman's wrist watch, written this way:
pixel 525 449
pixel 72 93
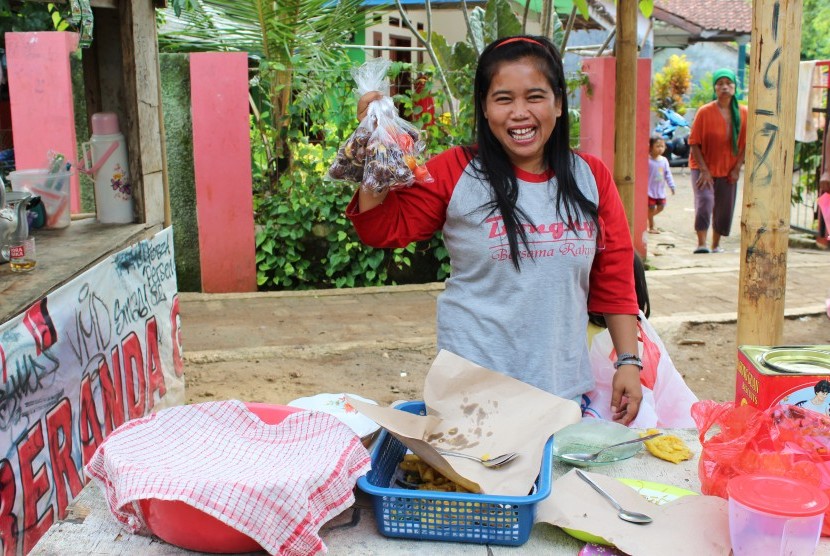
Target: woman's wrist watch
pixel 628 359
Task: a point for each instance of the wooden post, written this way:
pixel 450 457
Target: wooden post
pixel 765 219
pixel 139 51
pixel 625 105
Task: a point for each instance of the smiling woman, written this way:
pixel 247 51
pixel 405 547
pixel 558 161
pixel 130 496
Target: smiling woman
pixel 517 298
pixel 521 110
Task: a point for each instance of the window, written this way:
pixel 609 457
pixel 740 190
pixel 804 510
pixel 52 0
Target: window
pixel 377 40
pixel 394 21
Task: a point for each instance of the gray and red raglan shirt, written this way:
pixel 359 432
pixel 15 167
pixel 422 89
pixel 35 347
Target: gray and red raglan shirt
pixel 528 324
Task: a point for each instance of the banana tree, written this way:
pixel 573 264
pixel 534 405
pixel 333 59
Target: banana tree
pixel 279 36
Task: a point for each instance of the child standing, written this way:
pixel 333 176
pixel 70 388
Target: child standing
pixel 659 175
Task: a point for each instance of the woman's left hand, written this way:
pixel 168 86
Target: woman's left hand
pixel 734 174
pixel 627 393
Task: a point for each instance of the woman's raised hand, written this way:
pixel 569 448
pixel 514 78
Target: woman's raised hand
pixel 363 103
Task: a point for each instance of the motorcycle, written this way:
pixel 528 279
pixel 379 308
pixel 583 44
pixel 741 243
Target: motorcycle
pixel 675 130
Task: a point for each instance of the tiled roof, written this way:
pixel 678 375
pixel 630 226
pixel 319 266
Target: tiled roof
pixel 716 15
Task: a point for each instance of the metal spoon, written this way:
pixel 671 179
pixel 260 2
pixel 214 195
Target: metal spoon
pixel 633 517
pixel 493 462
pixel 592 457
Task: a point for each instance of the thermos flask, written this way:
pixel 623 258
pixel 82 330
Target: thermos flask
pixel 105 158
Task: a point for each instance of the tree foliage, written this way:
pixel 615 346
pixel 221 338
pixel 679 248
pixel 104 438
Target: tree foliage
pixel 30 16
pixel 279 37
pixel 815 30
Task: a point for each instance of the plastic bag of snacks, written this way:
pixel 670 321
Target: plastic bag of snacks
pixel 783 440
pixel 385 152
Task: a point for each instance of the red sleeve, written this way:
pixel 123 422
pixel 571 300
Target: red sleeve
pixel 412 213
pixel 611 286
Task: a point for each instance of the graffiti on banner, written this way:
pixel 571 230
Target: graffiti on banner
pixel 101 350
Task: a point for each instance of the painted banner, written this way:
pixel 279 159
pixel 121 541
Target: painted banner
pixel 101 350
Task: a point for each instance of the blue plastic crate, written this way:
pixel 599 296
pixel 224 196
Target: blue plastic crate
pixel 448 516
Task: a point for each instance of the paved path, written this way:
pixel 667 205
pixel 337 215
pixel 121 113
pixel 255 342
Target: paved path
pixel 683 288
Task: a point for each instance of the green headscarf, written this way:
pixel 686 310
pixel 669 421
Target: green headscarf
pixel 733 108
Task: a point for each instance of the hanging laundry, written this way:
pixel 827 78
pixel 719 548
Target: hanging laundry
pixel 809 96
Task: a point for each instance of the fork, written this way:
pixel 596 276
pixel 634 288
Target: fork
pixel 494 462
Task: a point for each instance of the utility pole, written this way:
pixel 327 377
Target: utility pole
pixel 625 105
pixel 765 218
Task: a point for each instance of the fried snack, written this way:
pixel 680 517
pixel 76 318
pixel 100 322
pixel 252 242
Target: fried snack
pixel 668 447
pixel 350 157
pixel 418 472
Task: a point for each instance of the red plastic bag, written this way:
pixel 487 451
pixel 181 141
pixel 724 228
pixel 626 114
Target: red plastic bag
pixel 784 440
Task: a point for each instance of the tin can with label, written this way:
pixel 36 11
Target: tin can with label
pixel 795 375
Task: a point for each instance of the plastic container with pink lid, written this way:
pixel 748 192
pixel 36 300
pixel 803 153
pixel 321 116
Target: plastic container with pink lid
pixel 774 515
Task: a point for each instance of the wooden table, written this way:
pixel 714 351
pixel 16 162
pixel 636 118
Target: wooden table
pixel 89 529
pixel 62 255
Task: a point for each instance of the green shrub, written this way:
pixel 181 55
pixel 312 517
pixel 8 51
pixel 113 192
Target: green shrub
pixel 806 169
pixel 304 239
pixel 703 93
pixel 671 84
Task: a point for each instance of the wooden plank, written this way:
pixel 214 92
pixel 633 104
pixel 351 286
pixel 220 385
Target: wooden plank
pixel 107 52
pixel 62 255
pixel 140 73
pixel 154 196
pixel 626 106
pixel 776 40
pixel 92 78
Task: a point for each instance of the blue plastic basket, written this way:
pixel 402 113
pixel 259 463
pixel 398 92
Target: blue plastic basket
pixel 446 516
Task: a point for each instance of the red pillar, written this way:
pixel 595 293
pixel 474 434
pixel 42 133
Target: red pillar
pixel 222 164
pixel 40 94
pixel 596 131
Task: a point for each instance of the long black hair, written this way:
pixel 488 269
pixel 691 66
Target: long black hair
pixel 492 161
pixel 640 286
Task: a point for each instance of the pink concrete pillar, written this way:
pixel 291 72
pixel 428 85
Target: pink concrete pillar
pixel 596 132
pixel 596 123
pixel 40 93
pixel 222 164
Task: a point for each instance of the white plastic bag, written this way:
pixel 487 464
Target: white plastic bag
pixel 667 400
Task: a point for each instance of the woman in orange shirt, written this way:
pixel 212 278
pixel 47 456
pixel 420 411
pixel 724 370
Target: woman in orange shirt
pixel 717 141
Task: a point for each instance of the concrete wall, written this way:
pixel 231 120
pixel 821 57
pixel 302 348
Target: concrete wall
pixel 175 95
pixel 597 131
pixel 81 129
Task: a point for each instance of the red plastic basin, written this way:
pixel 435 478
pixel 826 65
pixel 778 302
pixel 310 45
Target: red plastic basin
pixel 183 525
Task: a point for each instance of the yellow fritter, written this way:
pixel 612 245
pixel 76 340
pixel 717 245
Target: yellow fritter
pixel 417 472
pixel 668 447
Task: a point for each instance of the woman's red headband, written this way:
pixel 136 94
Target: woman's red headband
pixel 519 39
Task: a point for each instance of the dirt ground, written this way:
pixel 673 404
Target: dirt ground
pixel 705 354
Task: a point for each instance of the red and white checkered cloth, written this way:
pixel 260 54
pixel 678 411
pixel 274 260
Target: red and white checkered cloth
pixel 278 484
